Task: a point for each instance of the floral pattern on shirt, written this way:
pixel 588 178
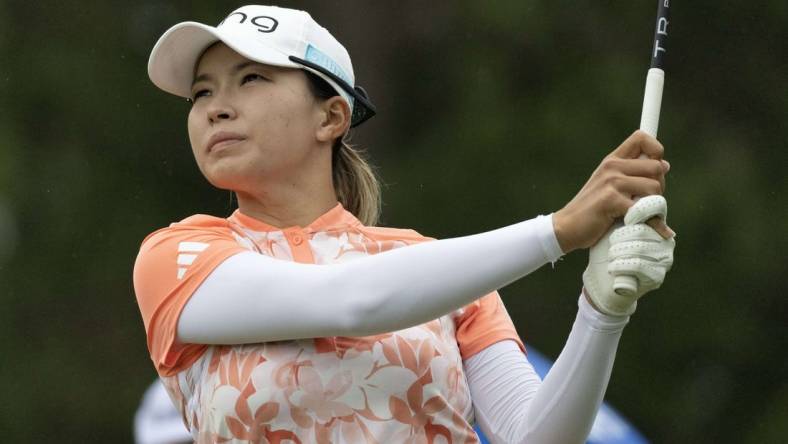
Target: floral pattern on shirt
pixel 406 386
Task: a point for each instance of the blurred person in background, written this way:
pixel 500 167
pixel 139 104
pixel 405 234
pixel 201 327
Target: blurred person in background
pixel 297 318
pixel 157 421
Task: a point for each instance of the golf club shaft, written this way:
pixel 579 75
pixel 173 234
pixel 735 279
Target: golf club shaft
pixel 652 103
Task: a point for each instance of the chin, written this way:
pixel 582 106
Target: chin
pixel 224 178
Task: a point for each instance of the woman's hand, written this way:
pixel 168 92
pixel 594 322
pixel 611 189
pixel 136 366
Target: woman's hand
pixel 620 177
pixel 634 250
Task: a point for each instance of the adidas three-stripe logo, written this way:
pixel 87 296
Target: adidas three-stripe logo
pixel 187 253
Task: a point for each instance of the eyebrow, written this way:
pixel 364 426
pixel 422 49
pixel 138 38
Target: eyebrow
pixel 233 70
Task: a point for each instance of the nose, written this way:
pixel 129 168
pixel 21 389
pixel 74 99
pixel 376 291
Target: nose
pixel 220 110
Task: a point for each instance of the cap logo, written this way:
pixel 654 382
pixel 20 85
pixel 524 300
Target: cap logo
pixel 263 23
pixel 316 56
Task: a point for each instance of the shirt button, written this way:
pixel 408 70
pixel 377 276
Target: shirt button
pixel 297 239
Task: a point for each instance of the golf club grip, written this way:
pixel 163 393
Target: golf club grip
pixel 626 285
pixel 652 102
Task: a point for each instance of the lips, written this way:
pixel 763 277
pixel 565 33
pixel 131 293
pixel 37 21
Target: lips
pixel 223 138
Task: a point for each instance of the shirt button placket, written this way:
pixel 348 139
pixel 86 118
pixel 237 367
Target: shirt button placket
pixel 298 245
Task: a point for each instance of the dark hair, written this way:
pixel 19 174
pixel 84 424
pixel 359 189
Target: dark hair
pixel 355 184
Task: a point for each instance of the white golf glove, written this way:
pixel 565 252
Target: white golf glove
pixel 632 251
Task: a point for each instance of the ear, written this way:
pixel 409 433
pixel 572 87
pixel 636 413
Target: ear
pixel 335 119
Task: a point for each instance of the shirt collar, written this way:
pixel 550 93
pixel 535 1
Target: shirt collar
pixel 336 216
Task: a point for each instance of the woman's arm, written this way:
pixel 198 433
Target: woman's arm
pixel 254 298
pixel 512 405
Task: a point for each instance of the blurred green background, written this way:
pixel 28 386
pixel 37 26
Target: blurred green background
pixel 489 113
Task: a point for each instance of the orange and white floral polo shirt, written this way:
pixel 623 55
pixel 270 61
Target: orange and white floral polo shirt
pixel 406 386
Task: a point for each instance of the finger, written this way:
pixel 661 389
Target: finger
pixel 649 251
pixel 637 186
pixel 659 225
pixel 655 169
pixel 650 275
pixel 635 233
pixel 666 168
pixel 641 167
pixel 640 143
pixel 646 208
pixel 660 251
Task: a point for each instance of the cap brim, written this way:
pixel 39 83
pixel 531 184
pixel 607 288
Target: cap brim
pixel 174 57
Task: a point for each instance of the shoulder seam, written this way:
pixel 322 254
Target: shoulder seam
pixel 388 233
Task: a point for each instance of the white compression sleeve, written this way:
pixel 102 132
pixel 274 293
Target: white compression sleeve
pixel 254 298
pixel 512 405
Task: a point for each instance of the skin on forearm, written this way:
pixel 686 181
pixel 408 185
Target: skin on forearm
pixel 562 233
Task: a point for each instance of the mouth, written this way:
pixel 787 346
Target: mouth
pixel 222 140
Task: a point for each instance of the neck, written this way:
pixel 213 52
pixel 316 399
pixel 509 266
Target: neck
pixel 285 206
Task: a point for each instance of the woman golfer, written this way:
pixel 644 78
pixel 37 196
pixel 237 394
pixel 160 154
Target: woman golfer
pixel 296 319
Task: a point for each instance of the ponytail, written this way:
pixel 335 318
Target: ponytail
pixel 356 186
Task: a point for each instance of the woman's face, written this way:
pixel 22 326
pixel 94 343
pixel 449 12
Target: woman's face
pixel 250 122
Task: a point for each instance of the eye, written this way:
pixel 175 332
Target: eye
pixel 199 93
pixel 252 77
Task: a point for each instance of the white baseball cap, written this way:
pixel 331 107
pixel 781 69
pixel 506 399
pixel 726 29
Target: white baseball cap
pixel 266 34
